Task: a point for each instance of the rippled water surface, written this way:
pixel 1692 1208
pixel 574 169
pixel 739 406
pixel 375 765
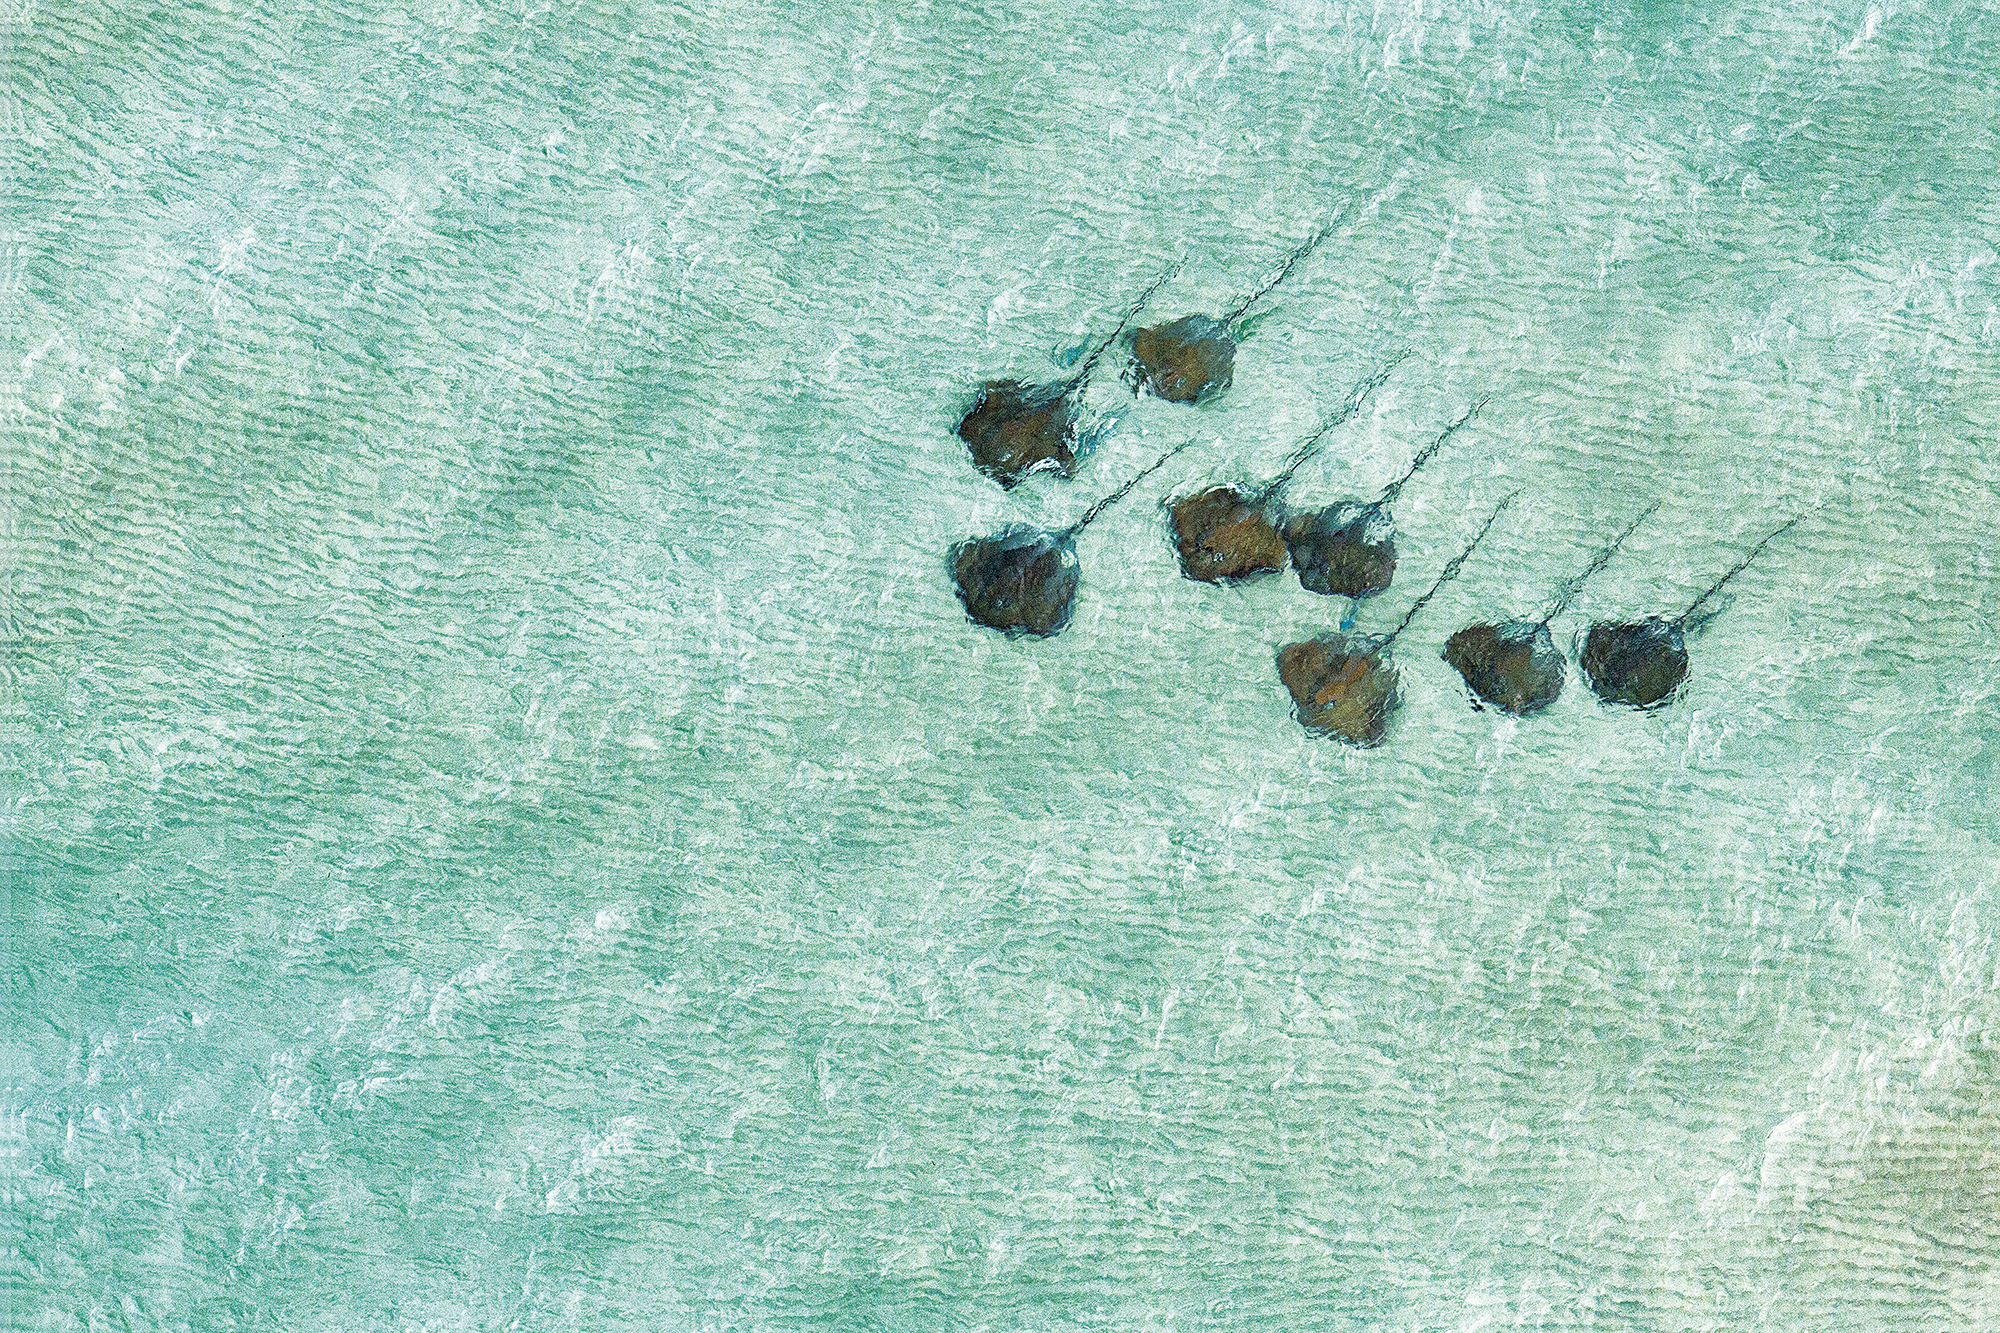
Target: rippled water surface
pixel 512 830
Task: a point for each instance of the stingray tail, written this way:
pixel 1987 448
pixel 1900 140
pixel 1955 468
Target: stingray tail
pixel 1429 451
pixel 1687 616
pixel 1090 515
pixel 1572 588
pixel 1082 375
pixel 1350 406
pixel 1292 261
pixel 1450 570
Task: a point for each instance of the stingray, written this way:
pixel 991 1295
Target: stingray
pixel 1514 665
pixel 1193 358
pixel 1225 533
pixel 1348 548
pixel 1023 580
pixel 1016 428
pixel 1643 662
pixel 1345 685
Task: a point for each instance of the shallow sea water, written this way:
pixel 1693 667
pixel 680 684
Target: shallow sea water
pixel 511 829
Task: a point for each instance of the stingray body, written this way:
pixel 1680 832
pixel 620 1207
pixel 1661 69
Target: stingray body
pixel 1226 533
pixel 1020 580
pixel 1514 665
pixel 1023 580
pixel 1343 550
pixel 1345 686
pixel 1188 360
pixel 1348 548
pixel 1193 358
pixel 1643 663
pixel 1015 428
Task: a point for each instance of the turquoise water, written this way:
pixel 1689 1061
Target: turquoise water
pixel 511 829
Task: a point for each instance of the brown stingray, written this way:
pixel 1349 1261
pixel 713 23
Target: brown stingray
pixel 1015 428
pixel 1643 663
pixel 1341 686
pixel 1193 358
pixel 1348 548
pixel 1225 533
pixel 1636 662
pixel 1514 665
pixel 1020 580
pixel 1345 685
pixel 1186 360
pixel 1023 580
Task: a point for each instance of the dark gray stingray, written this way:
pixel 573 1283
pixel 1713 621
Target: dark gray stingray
pixel 1644 662
pixel 1193 358
pixel 1514 665
pixel 1225 533
pixel 1023 580
pixel 1348 548
pixel 1015 428
pixel 1345 685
